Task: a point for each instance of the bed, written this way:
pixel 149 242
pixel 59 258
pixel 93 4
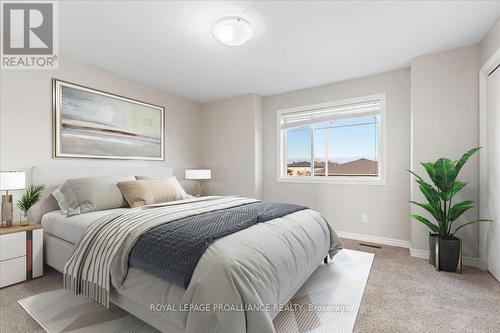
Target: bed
pixel 264 264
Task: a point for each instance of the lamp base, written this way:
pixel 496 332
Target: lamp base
pixel 7 210
pixel 199 189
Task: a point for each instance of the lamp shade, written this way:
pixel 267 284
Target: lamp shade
pixel 198 174
pixel 12 180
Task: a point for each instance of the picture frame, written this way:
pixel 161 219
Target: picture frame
pixel 90 123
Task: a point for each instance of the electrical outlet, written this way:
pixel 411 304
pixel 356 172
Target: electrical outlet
pixel 364 218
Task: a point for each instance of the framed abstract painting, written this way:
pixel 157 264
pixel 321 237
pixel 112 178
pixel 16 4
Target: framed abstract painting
pixel 90 123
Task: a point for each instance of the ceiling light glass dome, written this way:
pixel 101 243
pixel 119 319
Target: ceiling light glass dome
pixel 232 31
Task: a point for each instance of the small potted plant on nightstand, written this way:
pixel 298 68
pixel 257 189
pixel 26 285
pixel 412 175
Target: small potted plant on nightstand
pixel 29 199
pixel 445 250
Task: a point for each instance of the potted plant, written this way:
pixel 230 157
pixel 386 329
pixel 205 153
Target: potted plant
pixel 445 250
pixel 29 199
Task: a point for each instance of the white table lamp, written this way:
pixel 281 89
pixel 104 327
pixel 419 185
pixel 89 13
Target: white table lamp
pixel 199 175
pixel 10 181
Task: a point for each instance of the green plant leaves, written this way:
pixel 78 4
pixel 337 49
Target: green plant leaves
pixel 431 170
pixel 457 186
pixel 472 222
pixel 430 208
pixel 430 194
pixel 417 176
pixel 460 163
pixel 443 174
pixel 428 223
pixel 30 197
pixel 427 190
pixel 458 209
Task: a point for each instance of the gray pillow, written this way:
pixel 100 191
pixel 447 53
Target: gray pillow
pixel 90 194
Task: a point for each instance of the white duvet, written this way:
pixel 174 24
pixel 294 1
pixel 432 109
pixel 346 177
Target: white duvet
pixel 241 280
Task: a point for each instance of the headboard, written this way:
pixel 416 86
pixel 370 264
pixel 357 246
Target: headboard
pixel 53 176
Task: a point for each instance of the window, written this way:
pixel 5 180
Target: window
pixel 338 142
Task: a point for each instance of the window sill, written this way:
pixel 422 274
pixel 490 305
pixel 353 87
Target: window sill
pixel 334 180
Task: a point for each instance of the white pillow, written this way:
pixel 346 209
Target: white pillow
pixel 61 200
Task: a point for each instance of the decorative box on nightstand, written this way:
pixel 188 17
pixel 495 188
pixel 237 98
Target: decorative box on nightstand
pixel 21 253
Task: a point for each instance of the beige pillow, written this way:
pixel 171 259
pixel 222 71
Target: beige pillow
pixel 151 191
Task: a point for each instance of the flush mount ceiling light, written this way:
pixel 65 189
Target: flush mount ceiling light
pixel 232 31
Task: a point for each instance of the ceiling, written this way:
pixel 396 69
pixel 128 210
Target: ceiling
pixel 296 44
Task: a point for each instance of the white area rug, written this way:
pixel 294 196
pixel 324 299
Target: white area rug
pixel 327 303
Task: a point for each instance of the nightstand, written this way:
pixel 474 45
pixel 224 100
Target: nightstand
pixel 21 253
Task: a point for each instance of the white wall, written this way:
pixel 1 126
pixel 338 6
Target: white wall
pixel 232 145
pixel 26 117
pixel 386 206
pixel 445 123
pixel 492 239
pixel 490 43
pixel 259 147
pixel 489 233
pixel 236 138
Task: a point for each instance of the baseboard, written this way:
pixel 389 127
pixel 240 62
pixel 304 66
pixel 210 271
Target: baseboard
pixel 374 239
pixel 419 253
pixel 467 261
pixel 470 261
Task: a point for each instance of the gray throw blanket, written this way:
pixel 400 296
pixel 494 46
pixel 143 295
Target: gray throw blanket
pixel 172 250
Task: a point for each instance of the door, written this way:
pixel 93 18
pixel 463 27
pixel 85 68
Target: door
pixel 493 187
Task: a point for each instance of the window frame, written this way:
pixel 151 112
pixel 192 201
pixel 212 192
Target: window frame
pixel 353 180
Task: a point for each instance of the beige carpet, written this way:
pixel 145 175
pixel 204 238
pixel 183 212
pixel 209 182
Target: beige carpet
pixel 403 294
pixel 406 294
pixel 327 303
